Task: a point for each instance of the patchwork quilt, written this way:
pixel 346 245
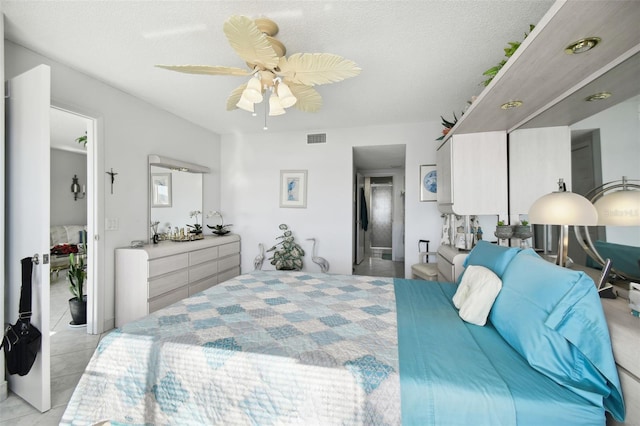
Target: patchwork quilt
pixel 270 347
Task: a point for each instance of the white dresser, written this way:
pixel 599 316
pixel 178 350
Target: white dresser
pixel 154 276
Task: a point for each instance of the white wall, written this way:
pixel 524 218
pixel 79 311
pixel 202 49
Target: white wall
pixel 132 129
pixel 620 149
pixel 64 210
pixel 250 195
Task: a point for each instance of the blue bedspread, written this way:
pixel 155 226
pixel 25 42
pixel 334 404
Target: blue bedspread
pixel 458 373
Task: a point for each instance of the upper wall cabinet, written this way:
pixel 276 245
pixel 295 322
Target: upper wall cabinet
pixel 553 85
pixel 472 174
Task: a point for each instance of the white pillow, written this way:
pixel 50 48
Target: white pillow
pixel 476 293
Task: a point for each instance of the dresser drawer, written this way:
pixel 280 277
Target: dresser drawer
pixel 168 282
pixel 229 262
pixel 168 264
pixel 227 275
pixel 168 298
pixel 227 249
pixel 204 255
pixel 203 270
pixel 202 285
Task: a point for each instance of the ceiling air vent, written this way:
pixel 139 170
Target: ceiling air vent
pixel 317 138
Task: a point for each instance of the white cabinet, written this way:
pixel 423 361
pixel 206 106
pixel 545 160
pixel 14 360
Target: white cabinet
pixel 537 159
pixel 472 174
pixel 154 276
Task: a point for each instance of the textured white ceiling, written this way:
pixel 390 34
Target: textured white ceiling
pixel 419 59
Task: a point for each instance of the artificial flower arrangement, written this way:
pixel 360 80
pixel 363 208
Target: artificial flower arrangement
pixel 196 228
pixel 220 229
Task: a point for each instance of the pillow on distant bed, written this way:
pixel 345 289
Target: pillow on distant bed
pixel 553 317
pixel 491 256
pixel 476 293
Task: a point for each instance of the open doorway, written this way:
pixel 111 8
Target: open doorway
pixel 71 222
pixel 378 223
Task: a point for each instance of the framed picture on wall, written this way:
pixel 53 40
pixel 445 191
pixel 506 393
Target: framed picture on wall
pixel 428 182
pixel 161 190
pixel 293 188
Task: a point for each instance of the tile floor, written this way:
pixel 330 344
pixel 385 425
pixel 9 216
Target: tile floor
pixel 378 267
pixel 71 349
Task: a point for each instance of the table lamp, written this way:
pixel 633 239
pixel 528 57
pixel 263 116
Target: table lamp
pixel 563 208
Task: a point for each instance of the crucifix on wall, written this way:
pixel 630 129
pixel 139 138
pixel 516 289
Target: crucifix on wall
pixel 113 178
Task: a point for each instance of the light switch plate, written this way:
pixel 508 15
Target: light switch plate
pixel 111 224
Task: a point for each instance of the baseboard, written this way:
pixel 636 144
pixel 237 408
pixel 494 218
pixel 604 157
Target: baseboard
pixel 109 324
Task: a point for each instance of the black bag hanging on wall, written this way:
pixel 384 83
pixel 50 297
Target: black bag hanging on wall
pixel 22 340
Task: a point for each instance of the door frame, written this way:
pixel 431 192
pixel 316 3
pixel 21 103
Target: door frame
pixel 95 214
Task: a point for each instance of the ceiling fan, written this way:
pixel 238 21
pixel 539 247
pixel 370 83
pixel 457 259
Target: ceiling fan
pixel 288 81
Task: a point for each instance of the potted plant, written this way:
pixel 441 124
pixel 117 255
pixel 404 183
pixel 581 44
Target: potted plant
pixel 523 231
pixel 78 303
pixel 289 255
pixel 220 229
pixel 503 231
pixel 196 228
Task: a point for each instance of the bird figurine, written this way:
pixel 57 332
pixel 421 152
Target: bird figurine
pixel 257 262
pixel 320 261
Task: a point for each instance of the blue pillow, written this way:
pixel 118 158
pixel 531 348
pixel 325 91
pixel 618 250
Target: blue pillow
pixel 491 256
pixel 553 317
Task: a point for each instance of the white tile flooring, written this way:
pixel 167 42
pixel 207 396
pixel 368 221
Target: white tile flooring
pixel 71 349
pixel 378 267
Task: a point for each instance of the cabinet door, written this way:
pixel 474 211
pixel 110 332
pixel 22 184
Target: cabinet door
pixel 444 192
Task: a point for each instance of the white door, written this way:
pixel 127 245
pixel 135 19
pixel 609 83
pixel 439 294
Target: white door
pixel 27 217
pixel 359 212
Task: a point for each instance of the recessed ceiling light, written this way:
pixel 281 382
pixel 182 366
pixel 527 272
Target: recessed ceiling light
pixel 582 45
pixel 598 96
pixel 511 104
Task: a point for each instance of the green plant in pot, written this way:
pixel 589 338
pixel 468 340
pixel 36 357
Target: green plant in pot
pixel 78 303
pixel 288 256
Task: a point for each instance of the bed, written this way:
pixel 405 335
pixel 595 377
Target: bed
pixel 286 347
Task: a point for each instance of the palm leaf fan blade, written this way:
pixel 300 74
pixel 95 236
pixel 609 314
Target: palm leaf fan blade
pixel 308 98
pixel 312 69
pixel 249 43
pixel 206 69
pixel 233 99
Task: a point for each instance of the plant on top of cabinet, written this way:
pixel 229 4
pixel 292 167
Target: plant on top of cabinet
pixel 508 52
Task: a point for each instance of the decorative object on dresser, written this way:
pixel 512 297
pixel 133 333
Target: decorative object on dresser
pixel 293 188
pixel 428 182
pixel 523 232
pixel 155 276
pixel 563 208
pixel 289 256
pixel 320 261
pixel 196 228
pixel 221 228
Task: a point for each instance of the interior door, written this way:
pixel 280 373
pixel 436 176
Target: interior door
pixel 27 217
pixel 359 227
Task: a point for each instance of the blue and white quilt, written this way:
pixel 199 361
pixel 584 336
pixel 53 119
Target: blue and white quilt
pixel 264 348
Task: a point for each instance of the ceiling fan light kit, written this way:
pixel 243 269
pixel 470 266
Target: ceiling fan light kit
pixel 289 81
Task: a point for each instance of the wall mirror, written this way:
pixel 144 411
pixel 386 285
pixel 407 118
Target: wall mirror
pixel 175 190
